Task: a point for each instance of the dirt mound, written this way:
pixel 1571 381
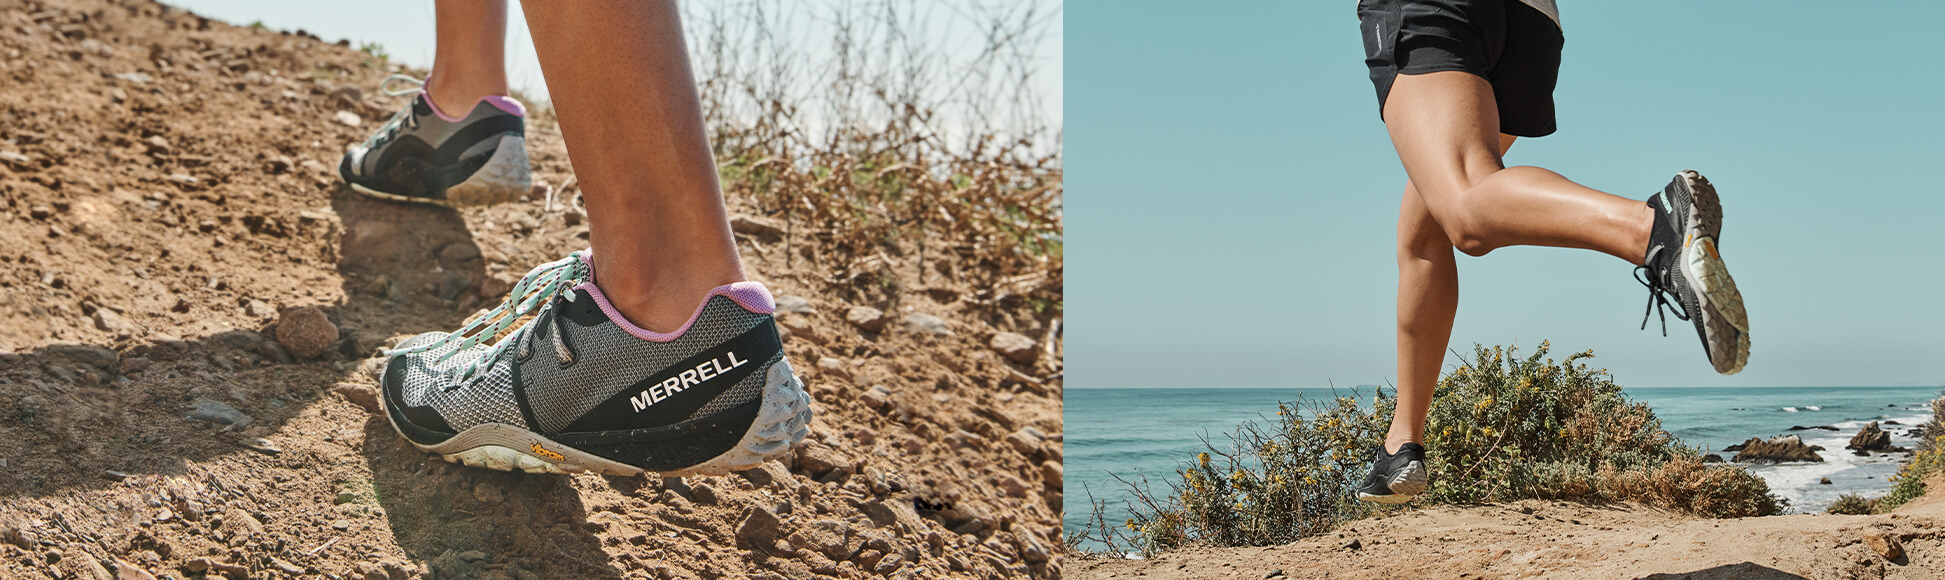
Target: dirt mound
pixel 1564 540
pixel 169 197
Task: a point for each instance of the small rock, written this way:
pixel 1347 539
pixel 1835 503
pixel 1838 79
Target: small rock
pixel 258 309
pixel 197 565
pixel 204 409
pixel 242 522
pixel 472 555
pixel 135 77
pixel 1870 438
pixel 770 473
pixel 1052 472
pixel 112 475
pixel 1024 441
pixel 1353 545
pixel 834 367
pixel 341 525
pixel 305 331
pixel 156 145
pixel 360 395
pixel 1012 485
pixel 797 304
pixel 1823 481
pixel 702 493
pixel 347 118
pixel 1016 347
pixel 1711 458
pixel 14 158
pixel 866 318
pixel 827 536
pixel 1274 573
pixel 488 494
pixel 800 326
pixel 878 397
pixel 264 446
pixel 1885 545
pixel 124 570
pixel 758 226
pixel 759 525
pixel 108 320
pixel 345 497
pixel 818 460
pixel 926 323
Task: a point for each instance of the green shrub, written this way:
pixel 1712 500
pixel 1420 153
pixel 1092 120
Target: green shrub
pixel 1909 483
pixel 1501 428
pixel 1851 504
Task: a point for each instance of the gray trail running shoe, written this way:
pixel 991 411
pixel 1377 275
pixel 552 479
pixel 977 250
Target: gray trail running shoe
pixel 1395 477
pixel 1683 263
pixel 579 388
pixel 423 156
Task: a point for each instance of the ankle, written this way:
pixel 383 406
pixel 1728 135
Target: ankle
pixel 660 304
pixel 1393 444
pixel 455 95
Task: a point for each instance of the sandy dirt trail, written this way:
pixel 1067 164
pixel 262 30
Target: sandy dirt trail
pixel 1539 539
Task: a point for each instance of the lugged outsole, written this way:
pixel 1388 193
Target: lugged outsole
pixel 1408 483
pixel 505 176
pixel 1722 311
pixel 782 421
pixel 1723 317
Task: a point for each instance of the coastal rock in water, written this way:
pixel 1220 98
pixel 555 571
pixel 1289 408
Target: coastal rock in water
pixel 1775 450
pixel 1802 428
pixel 1870 438
pixel 1711 458
pixel 1736 447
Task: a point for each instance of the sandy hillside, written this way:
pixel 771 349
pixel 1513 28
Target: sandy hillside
pixel 169 199
pixel 1538 539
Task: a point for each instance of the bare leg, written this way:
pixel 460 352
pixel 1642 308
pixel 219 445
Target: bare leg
pixel 470 59
pixel 1461 195
pixel 1446 130
pixel 628 108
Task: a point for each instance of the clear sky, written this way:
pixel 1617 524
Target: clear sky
pixel 1232 196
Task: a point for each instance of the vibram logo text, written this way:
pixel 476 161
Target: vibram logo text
pixel 709 369
pixel 543 452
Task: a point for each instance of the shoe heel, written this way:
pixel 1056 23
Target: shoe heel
pixel 505 176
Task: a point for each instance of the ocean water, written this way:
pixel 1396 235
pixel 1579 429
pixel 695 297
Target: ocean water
pixel 1153 432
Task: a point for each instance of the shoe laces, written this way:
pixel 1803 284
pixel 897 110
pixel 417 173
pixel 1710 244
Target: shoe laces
pixel 533 294
pixel 403 118
pixel 1653 274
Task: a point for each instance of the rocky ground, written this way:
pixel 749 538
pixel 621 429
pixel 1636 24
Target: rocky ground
pixel 1539 539
pixel 190 308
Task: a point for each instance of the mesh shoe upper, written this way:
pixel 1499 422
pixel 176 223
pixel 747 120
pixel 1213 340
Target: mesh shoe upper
pixel 421 151
pixel 577 367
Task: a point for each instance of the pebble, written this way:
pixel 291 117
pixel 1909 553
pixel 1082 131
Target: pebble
pixel 1015 347
pixel 345 497
pixel 797 304
pixel 878 397
pixel 702 493
pixel 207 410
pixel 834 367
pixel 360 395
pixel 306 331
pixel 488 494
pixel 1053 473
pixel 758 524
pixel 866 318
pixel 1274 573
pixel 12 157
pixel 1012 485
pixel 926 323
pixel 135 77
pixel 90 355
pixel 264 446
pixel 347 118
pixel 1885 545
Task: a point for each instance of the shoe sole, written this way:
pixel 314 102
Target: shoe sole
pixel 782 421
pixel 1406 484
pixel 505 177
pixel 1724 320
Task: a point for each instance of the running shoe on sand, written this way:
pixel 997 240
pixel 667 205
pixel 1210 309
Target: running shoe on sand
pixel 579 388
pixel 1683 264
pixel 1395 477
pixel 424 155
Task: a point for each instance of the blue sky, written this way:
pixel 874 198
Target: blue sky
pixel 1232 197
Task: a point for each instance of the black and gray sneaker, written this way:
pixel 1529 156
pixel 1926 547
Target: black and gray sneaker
pixel 1683 263
pixel 579 388
pixel 1395 477
pixel 424 156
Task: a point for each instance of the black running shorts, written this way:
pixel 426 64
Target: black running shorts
pixel 1511 45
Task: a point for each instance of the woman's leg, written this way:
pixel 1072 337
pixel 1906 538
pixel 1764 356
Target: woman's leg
pixel 1446 130
pixel 469 61
pixel 628 107
pixel 1445 127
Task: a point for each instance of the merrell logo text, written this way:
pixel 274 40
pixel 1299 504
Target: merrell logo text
pixel 709 369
